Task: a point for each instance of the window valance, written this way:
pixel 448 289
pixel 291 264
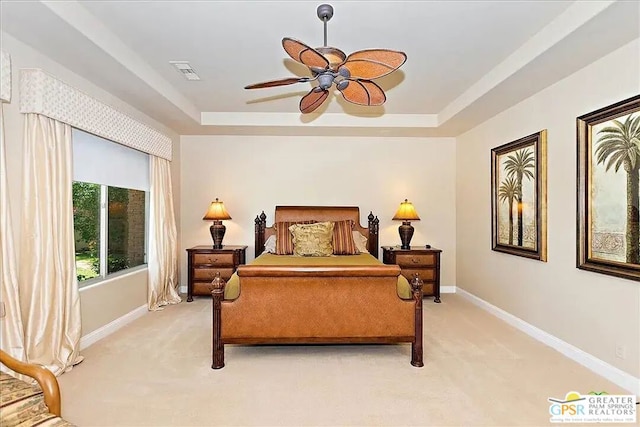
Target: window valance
pixel 5 77
pixel 44 94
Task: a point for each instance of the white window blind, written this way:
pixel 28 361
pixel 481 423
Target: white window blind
pixel 100 161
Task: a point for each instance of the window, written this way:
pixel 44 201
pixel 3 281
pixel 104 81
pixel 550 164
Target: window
pixel 110 207
pixel 126 225
pixel 86 226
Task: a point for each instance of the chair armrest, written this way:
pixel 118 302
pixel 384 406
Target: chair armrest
pixel 44 377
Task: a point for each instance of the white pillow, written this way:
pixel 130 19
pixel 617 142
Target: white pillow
pixel 360 241
pixel 270 244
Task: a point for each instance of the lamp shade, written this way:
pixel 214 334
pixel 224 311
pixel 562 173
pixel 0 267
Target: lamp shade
pixel 216 211
pixel 406 212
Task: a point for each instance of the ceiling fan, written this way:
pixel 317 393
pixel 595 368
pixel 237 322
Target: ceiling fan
pixel 351 74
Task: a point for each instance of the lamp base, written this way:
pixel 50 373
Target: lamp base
pixel 217 230
pixel 406 233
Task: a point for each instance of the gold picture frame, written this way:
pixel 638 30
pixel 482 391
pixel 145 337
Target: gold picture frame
pixel 519 197
pixel 608 212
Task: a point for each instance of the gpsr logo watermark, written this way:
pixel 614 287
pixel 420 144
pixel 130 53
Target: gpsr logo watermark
pixel 593 408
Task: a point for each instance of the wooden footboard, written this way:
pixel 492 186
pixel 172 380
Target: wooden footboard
pixel 317 304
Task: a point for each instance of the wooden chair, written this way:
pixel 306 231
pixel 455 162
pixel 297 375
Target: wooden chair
pixel 44 377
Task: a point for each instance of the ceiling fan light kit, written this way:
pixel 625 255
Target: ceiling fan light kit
pixel 352 74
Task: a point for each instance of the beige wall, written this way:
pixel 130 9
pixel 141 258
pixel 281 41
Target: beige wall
pixel 255 173
pixel 107 301
pixel 591 311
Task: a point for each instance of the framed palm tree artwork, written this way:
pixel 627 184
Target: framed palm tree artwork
pixel 608 213
pixel 519 197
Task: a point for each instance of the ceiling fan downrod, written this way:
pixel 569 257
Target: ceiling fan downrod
pixel 325 13
pixel 333 55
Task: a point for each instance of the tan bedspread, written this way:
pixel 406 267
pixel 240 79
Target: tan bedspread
pixel 232 289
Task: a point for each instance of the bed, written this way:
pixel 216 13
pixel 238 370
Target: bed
pixel 337 299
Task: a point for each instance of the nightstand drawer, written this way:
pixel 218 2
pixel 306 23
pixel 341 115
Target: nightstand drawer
pixel 415 260
pixel 426 274
pixel 210 273
pixel 213 259
pixel 201 288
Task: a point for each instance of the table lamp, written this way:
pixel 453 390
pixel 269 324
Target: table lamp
pixel 406 213
pixel 217 213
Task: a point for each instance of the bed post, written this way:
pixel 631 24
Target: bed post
pixel 217 292
pixel 372 242
pixel 416 346
pixel 261 223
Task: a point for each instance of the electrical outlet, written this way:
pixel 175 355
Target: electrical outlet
pixel 621 351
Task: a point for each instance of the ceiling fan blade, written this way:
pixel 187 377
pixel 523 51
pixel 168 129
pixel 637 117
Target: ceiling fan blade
pixel 281 82
pixel 363 92
pixel 313 100
pixel 373 63
pixel 304 54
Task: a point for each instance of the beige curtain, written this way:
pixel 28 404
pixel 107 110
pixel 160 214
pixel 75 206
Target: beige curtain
pixel 49 294
pixel 11 332
pixel 163 240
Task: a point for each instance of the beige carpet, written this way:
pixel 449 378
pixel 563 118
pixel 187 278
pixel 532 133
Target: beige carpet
pixel 478 371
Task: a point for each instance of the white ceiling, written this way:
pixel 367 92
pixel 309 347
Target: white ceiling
pixel 467 60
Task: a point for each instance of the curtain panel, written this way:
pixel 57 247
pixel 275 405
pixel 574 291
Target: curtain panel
pixel 163 241
pixel 11 333
pixel 49 295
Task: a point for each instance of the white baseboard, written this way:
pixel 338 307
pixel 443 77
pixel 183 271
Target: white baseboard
pixel 109 328
pixel 610 372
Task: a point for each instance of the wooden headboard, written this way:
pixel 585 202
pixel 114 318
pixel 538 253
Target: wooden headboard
pixel 320 214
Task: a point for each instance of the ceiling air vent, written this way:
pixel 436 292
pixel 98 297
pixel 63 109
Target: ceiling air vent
pixel 185 69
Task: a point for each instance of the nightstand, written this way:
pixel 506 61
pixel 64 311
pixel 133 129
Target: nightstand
pixel 418 259
pixel 204 262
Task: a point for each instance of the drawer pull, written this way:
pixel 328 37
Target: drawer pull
pixel 212 261
pixel 415 261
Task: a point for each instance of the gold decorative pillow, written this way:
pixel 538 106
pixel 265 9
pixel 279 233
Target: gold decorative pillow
pixel 312 239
